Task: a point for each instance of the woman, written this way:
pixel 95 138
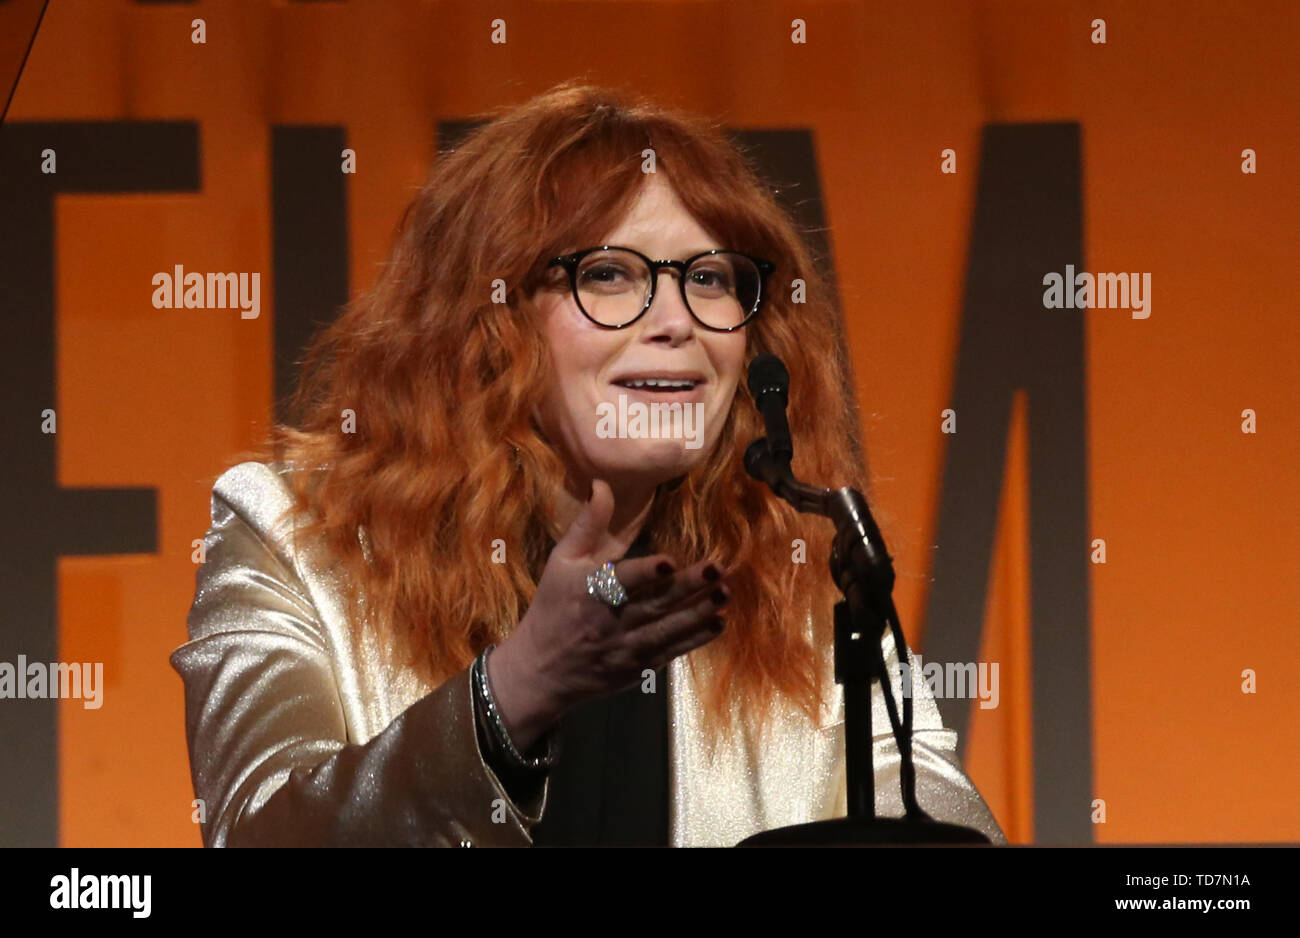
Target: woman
pixel 462 604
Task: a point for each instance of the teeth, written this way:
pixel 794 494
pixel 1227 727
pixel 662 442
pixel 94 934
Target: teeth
pixel 659 383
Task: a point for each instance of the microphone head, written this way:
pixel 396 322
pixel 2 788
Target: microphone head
pixel 767 373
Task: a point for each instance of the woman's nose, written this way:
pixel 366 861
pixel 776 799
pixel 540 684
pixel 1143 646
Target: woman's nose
pixel 668 313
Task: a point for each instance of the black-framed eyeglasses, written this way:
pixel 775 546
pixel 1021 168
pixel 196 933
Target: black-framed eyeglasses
pixel 614 286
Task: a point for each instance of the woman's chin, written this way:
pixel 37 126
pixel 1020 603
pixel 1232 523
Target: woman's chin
pixel 657 460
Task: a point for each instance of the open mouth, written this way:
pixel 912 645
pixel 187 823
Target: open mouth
pixel 661 386
pixel 666 383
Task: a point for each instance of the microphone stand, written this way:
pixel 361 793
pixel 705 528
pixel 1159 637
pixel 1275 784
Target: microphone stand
pixel 864 574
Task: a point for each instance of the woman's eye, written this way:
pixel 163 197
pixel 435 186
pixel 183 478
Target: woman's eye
pixel 709 278
pixel 606 273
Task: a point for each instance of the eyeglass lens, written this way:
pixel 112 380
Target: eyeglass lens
pixel 721 289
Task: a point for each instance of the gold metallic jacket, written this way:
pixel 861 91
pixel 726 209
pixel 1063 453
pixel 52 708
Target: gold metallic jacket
pixel 300 735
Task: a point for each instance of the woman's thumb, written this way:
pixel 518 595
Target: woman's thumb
pixel 589 527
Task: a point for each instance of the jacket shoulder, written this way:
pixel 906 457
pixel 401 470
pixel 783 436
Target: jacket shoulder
pixel 254 484
pixel 260 493
pixel 258 497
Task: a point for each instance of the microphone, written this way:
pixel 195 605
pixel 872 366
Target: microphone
pixel 768 461
pixel 864 572
pixel 769 382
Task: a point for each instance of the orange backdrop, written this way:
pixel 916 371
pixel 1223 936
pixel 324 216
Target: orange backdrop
pixel 1199 518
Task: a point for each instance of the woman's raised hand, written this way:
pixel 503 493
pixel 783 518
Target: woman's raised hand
pixel 571 647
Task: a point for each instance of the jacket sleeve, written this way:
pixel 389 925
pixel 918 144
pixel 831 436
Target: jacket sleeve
pixel 943 789
pixel 269 753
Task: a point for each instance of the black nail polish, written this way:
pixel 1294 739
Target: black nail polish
pixel 712 574
pixel 719 597
pixel 716 624
pixel 664 569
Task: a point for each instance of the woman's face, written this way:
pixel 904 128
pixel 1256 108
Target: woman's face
pixel 590 412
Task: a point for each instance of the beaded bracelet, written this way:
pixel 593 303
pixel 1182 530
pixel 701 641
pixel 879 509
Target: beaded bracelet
pixel 478 673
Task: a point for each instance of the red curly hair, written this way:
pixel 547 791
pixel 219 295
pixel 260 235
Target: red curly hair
pixel 445 457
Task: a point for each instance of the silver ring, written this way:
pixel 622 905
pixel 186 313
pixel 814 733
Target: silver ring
pixel 604 585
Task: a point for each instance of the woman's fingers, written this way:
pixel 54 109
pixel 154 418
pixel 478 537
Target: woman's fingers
pixel 692 625
pixel 658 594
pixel 645 577
pixel 668 612
pixel 700 636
